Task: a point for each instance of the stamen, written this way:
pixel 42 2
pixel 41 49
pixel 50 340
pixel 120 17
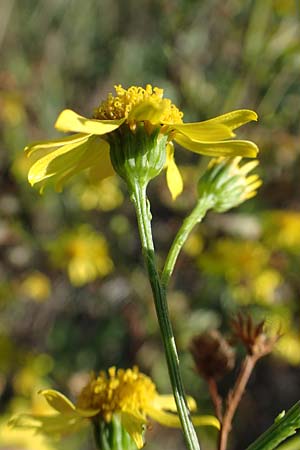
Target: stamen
pixel 119 390
pixel 119 106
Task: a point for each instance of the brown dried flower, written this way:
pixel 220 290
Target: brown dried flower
pixel 212 354
pixel 253 336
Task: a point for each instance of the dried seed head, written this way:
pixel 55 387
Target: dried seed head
pixel 253 336
pixel 212 354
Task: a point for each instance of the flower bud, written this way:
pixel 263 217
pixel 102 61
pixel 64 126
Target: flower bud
pixel 226 184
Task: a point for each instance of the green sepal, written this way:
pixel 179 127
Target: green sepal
pixel 112 435
pixel 137 155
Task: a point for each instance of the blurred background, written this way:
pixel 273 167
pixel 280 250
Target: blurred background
pixel 73 292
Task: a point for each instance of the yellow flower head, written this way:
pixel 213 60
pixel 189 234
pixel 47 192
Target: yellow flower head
pixel 126 100
pixel 36 286
pixel 127 394
pixel 83 253
pixel 58 160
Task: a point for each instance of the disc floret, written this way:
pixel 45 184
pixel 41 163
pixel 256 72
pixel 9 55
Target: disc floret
pixel 118 391
pixel 121 105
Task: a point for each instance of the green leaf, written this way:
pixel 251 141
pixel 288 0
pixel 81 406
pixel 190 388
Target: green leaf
pixel 283 427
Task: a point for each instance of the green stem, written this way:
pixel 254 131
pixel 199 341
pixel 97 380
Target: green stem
pixel 201 208
pixel 281 429
pixel 139 198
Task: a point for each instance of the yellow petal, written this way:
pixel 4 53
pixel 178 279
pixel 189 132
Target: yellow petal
pixel 57 425
pixel 48 145
pixel 206 421
pixel 246 168
pixel 134 425
pixel 204 133
pixel 167 402
pixel 58 401
pixel 87 412
pixel 69 120
pixel 102 168
pixel 218 128
pixel 61 164
pixel 147 111
pixel 174 179
pixel 222 148
pixel 173 421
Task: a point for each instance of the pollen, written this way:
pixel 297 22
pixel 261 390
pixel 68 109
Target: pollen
pixel 117 391
pixel 119 106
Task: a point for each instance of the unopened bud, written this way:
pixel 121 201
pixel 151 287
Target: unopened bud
pixel 227 184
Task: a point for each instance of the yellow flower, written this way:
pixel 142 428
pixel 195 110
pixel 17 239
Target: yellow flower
pixel 36 286
pixel 282 230
pixel 89 148
pixel 128 394
pixel 14 439
pixel 83 253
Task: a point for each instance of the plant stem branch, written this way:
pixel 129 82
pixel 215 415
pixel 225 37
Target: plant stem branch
pixel 234 398
pixel 216 399
pixel 139 198
pixel 201 208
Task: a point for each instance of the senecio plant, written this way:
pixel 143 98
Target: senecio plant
pixel 131 134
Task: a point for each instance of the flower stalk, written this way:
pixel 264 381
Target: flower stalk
pixel 195 217
pixel 139 199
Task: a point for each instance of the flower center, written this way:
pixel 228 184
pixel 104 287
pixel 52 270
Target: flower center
pixel 119 106
pixel 120 390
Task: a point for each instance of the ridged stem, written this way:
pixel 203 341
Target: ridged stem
pixel 139 199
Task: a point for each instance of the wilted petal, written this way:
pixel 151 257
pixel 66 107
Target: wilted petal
pixel 69 120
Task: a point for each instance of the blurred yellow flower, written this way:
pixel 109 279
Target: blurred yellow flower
pixel 36 286
pixel 235 259
pixel 89 148
pixel 265 285
pixel 12 110
pixel 288 346
pixel 129 394
pixel 282 230
pixel 83 253
pixel 21 439
pixel 246 266
pixel 105 195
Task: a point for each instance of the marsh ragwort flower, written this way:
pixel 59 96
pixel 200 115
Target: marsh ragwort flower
pixel 89 148
pixel 127 393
